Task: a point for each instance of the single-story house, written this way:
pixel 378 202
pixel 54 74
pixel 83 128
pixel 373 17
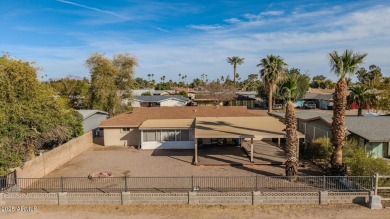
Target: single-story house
pixel 237 100
pixel 92 119
pixel 373 133
pixel 159 101
pixel 322 101
pixel 153 92
pixel 186 127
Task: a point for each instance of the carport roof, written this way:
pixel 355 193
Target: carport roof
pixel 240 127
pixel 167 124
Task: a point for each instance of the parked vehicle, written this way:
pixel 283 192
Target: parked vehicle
pixel 277 106
pixel 309 105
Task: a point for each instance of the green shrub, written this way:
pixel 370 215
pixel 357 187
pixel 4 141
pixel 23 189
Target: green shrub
pixel 355 157
pixel 360 164
pixel 321 148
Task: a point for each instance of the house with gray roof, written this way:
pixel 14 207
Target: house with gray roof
pixel 92 119
pixel 159 101
pixel 323 101
pixel 372 133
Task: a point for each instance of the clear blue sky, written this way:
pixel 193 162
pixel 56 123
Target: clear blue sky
pixel 193 37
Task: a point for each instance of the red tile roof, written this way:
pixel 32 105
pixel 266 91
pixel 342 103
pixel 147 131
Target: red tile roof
pixel 141 114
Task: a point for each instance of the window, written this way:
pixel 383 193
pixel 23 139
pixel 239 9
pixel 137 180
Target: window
pixel 152 135
pixel 178 135
pixel 185 135
pixel 125 129
pixel 167 135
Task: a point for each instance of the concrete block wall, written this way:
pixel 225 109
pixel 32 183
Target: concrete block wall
pixel 192 198
pixel 288 198
pixel 348 197
pixel 51 160
pixel 94 198
pixel 214 198
pixel 29 199
pixel 158 198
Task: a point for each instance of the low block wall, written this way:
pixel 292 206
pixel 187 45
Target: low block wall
pixel 51 160
pixel 193 198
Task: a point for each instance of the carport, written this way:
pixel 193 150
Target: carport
pixel 258 128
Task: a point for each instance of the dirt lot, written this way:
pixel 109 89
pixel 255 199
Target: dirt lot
pixel 127 161
pixel 185 211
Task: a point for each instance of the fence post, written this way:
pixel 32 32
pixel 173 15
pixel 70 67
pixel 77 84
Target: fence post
pixel 126 184
pixel 376 183
pixel 62 184
pixel 15 177
pixel 257 183
pixel 324 183
pixel 192 182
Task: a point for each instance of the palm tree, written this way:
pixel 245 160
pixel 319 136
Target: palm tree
pixel 235 60
pixel 149 77
pixel 272 71
pixel 342 65
pixel 290 91
pixel 360 93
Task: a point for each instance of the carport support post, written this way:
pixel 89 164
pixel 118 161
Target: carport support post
pixel 196 151
pixel 278 142
pixel 252 150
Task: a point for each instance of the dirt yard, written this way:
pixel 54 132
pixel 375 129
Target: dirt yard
pixel 186 211
pixel 127 161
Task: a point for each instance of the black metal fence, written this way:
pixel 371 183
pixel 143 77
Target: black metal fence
pixel 194 183
pixel 8 181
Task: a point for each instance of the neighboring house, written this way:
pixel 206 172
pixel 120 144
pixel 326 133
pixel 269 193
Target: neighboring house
pixel 238 100
pixel 322 101
pixel 153 92
pixel 241 100
pixel 92 119
pixel 159 101
pixel 251 94
pixel 373 133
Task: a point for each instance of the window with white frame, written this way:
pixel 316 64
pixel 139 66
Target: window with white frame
pixel 167 135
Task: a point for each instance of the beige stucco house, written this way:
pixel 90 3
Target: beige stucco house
pixel 187 127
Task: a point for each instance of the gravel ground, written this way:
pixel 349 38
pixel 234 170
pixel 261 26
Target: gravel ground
pixel 201 211
pixel 123 161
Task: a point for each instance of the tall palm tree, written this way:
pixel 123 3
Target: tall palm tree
pixel 361 95
pixel 235 60
pixel 149 77
pixel 342 65
pixel 290 91
pixel 273 69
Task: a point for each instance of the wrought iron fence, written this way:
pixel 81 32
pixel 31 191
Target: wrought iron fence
pixel 193 183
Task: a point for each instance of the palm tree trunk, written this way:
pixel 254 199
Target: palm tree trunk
pixel 338 126
pixel 270 99
pixel 234 76
pixel 360 109
pixel 291 141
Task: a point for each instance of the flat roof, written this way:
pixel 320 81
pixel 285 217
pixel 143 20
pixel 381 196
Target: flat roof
pixel 240 127
pixel 167 124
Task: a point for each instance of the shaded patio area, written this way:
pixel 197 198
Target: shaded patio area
pixel 265 153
